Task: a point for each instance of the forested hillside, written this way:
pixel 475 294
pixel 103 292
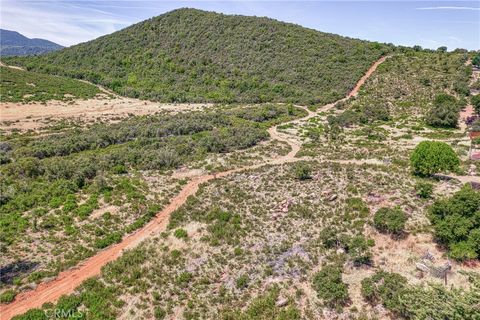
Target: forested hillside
pixel 197 56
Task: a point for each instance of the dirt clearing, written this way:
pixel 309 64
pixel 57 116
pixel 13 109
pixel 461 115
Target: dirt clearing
pixel 36 116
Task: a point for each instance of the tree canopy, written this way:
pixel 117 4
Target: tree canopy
pixel 430 157
pixel 456 221
pixel 445 112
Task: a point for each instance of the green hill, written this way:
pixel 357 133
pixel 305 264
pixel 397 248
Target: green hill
pixel 197 56
pixel 25 86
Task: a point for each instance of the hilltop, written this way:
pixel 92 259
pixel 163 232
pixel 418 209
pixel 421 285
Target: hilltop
pixel 197 56
pixel 15 44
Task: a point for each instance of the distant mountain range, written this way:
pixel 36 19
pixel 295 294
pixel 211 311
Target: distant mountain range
pixel 13 43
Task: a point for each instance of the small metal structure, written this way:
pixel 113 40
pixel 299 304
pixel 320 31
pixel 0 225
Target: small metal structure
pixel 427 265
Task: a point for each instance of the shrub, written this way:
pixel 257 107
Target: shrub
pixel 385 288
pixel 424 189
pixel 7 296
pixel 159 313
pixel 456 222
pixel 431 301
pixel 184 277
pixel 119 169
pixel 180 233
pixel 223 226
pixel 476 103
pixel 242 281
pixel 391 220
pixel 330 287
pixel 303 171
pixel 359 250
pixel 476 60
pixel 422 302
pixel 264 307
pixel 112 238
pixel 430 157
pixel 444 112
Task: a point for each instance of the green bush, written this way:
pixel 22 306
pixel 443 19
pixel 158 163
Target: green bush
pixel 391 220
pixel 303 171
pixel 180 233
pixel 476 60
pixel 444 113
pixel 430 157
pixel 385 288
pixel 159 313
pixel 264 307
pixel 224 227
pixel 439 302
pixel 456 222
pixel 7 296
pixel 476 103
pixel 432 301
pixel 112 238
pixel 359 250
pixel 119 169
pixel 184 278
pixel 242 281
pixel 424 189
pixel 330 287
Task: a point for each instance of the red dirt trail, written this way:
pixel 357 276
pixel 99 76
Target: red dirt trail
pixel 66 281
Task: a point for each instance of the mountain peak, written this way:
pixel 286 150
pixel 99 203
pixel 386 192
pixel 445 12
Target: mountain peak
pixel 13 43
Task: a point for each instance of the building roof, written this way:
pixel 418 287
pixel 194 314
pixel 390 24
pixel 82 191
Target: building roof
pixel 474 134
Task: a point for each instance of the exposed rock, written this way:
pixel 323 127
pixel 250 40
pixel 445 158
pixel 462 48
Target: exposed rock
pixel 281 302
pixel 332 197
pixel 422 267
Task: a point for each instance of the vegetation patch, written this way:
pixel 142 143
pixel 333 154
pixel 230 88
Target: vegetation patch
pixel 25 86
pixel 456 223
pixel 224 58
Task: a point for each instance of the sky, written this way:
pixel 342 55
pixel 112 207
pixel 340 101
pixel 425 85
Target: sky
pixel 431 24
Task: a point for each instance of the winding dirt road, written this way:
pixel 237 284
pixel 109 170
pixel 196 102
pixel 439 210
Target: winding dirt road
pixel 67 281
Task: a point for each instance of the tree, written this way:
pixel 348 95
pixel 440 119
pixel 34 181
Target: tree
pixel 390 220
pixel 303 171
pixel 330 287
pixel 476 60
pixel 444 112
pixel 430 157
pixel 442 49
pixel 456 221
pixel 476 103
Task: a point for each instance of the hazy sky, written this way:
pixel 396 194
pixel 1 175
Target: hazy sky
pixel 455 24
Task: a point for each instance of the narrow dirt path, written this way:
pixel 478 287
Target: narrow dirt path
pixel 67 281
pixel 11 67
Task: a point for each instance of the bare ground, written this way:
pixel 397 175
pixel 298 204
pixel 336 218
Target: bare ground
pixel 37 116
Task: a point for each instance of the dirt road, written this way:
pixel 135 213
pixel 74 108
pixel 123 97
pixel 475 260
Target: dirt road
pixel 67 281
